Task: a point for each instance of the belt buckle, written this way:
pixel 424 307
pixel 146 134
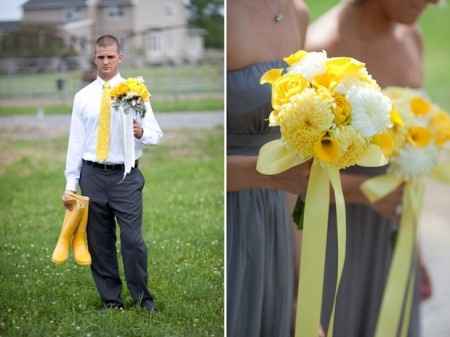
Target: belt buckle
pixel 104 166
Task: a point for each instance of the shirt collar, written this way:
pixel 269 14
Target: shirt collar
pixel 112 82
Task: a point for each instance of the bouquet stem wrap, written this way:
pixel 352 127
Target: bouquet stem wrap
pixel 312 262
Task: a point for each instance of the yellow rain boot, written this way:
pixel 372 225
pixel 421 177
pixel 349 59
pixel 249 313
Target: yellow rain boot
pixel 79 244
pixel 70 224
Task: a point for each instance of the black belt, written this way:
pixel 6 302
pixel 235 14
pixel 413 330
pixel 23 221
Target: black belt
pixel 108 166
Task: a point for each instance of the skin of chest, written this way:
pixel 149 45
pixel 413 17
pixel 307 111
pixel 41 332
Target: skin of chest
pixel 253 36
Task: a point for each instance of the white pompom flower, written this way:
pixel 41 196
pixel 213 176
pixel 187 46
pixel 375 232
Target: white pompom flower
pixel 413 162
pixel 311 65
pixel 370 110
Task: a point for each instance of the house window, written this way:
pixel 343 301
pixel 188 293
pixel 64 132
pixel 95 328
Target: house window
pixel 115 11
pixel 155 42
pixel 72 14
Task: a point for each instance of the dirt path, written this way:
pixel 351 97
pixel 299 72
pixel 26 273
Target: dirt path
pixel 32 127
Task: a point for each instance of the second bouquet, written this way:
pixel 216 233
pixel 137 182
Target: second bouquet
pixel 330 111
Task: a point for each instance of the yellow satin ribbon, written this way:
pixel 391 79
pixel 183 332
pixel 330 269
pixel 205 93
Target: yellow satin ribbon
pixel 313 253
pixel 400 271
pixel 276 157
pixel 104 124
pixel 398 287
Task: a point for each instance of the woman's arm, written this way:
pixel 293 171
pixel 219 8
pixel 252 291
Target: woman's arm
pixel 242 174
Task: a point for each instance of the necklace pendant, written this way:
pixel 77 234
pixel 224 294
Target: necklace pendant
pixel 277 18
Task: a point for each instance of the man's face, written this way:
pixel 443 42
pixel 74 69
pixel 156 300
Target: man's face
pixel 405 11
pixel 107 60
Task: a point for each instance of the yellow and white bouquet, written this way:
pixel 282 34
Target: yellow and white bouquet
pixel 132 99
pixel 420 132
pixel 332 111
pixel 131 95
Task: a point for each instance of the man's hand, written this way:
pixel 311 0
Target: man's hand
pixel 137 130
pixel 67 202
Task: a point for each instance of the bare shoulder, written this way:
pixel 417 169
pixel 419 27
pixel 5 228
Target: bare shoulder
pixel 301 10
pixel 412 34
pixel 323 33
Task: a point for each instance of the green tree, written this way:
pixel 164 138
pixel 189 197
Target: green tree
pixel 208 14
pixel 34 40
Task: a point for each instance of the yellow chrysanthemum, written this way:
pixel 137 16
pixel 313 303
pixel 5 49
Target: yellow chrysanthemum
pixel 386 142
pixel 119 90
pixel 342 109
pixel 352 145
pixel 131 86
pixel 419 136
pixel 327 149
pixel 420 106
pixel 285 87
pixel 295 58
pixel 305 119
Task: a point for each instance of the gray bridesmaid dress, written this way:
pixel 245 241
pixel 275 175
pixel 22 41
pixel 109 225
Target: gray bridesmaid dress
pixel 259 235
pixel 370 245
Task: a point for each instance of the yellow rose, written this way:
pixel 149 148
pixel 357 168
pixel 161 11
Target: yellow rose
pixel 342 109
pixel 285 87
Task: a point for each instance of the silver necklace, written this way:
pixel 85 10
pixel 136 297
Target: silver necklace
pixel 278 17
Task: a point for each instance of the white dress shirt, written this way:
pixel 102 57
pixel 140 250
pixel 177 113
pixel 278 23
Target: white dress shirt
pixel 83 131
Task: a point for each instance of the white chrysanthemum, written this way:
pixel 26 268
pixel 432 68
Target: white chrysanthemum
pixel 413 162
pixel 311 65
pixel 370 110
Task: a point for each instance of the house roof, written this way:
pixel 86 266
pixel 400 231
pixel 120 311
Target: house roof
pixel 57 4
pixel 52 4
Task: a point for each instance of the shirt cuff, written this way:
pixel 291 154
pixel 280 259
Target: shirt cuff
pixel 149 137
pixel 71 185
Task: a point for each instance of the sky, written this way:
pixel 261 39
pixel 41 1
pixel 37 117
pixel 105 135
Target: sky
pixel 11 9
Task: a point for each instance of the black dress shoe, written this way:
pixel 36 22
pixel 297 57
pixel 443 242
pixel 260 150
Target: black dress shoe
pixel 113 306
pixel 149 306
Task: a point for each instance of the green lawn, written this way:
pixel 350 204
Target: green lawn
pixel 183 228
pixel 162 80
pixel 200 104
pixel 435 25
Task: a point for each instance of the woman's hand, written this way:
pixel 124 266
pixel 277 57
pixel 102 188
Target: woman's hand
pixel 390 205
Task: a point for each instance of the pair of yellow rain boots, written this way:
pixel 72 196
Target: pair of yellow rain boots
pixel 73 232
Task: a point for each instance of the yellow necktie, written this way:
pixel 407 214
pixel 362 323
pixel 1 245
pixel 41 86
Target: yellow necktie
pixel 104 124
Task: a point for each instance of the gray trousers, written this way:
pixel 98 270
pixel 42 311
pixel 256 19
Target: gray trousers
pixel 111 199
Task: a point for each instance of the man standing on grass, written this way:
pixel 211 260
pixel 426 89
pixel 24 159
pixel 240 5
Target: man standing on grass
pixel 95 162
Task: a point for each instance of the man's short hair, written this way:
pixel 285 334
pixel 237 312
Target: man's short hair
pixel 107 40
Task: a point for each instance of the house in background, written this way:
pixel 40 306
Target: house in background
pixel 150 31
